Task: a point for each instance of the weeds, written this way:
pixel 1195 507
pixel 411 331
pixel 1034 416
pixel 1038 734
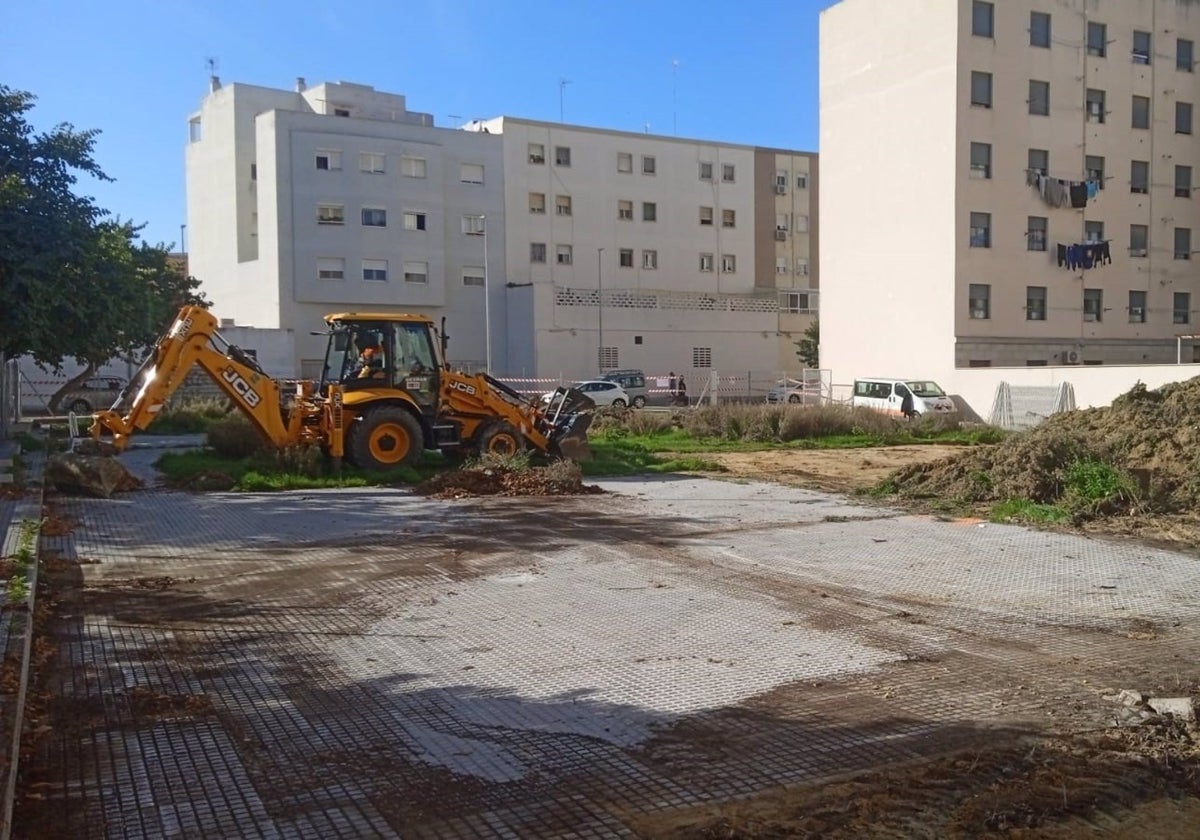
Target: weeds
pixel 17 589
pixel 1023 510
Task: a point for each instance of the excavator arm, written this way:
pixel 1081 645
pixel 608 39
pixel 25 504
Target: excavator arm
pixel 192 340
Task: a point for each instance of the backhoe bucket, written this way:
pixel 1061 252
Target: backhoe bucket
pixel 570 439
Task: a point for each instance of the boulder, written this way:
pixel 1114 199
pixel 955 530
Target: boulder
pixel 89 475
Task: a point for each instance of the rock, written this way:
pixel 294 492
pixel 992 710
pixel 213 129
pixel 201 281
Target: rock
pixel 1132 717
pixel 1128 697
pixel 1183 708
pixel 89 475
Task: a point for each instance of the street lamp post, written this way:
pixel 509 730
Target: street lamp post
pixel 487 303
pixel 599 313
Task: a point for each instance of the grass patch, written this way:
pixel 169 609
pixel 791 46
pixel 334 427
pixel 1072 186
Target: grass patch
pixel 1023 510
pixel 190 416
pixel 630 456
pixel 207 469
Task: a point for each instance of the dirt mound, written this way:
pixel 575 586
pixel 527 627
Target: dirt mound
pixel 562 478
pixel 1150 438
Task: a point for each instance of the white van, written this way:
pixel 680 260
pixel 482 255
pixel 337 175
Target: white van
pixel 886 393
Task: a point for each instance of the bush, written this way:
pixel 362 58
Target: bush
pixel 291 460
pixel 189 416
pixel 235 437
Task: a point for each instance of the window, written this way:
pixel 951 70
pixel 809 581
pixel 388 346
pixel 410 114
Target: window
pixel 1183 243
pixel 801 223
pixel 802 266
pixel 728 218
pixel 375 270
pixel 1137 307
pixel 1039 160
pixel 331 268
pixel 1183 182
pixel 1097 39
pixel 979 363
pixel 1141 112
pixel 1095 105
pixel 1035 233
pixel 706 215
pixel 1039 98
pixel 254 172
pixel 1093 304
pixel 728 264
pixel 798 302
pixel 473 225
pixel 341 112
pixel 1139 240
pixel 1035 303
pixel 979 303
pixel 1141 47
pixel 781 221
pixel 706 171
pixel 650 260
pixel 701 357
pixel 981 160
pixel 537 154
pixel 473 276
pixel 781 182
pixel 1035 363
pixel 1183 118
pixel 1094 166
pixel 706 262
pixel 372 162
pixel 416 272
pixel 562 155
pixel 564 254
pixel 981 89
pixel 981 230
pixel 1093 231
pixel 537 252
pixel 414 220
pixel 1139 176
pixel 562 205
pixel 625 258
pixel 607 358
pixel 1039 29
pixel 331 214
pixel 624 162
pixel 802 181
pixel 649 165
pixel 625 210
pixel 412 167
pixel 470 173
pixel 1182 308
pixel 195 130
pixel 782 266
pixel 649 211
pixel 374 217
pixel 329 159
pixel 1183 55
pixel 982 19
pixel 537 202
pixel 727 173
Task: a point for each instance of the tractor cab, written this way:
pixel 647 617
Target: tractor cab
pixel 380 352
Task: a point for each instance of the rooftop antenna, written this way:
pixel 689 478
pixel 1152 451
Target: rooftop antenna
pixel 213 81
pixel 674 95
pixel 562 85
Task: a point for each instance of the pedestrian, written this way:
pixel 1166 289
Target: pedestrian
pixel 671 383
pixel 906 405
pixel 681 391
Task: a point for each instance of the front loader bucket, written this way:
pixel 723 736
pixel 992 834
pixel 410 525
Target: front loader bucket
pixel 570 438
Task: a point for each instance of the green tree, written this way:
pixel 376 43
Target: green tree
pixel 73 282
pixel 808 349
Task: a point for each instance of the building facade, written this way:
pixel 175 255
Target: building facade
pixel 1008 183
pixel 596 249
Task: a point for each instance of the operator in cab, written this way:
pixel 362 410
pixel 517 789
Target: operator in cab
pixel 370 359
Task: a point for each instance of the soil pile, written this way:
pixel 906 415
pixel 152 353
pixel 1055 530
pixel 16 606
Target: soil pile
pixel 562 478
pixel 1152 438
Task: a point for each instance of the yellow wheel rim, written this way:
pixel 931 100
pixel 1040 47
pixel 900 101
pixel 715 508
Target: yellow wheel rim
pixel 389 443
pixel 503 443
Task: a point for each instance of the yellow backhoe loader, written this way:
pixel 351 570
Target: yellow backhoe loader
pixel 386 395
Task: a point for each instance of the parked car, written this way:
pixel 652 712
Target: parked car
pixel 886 394
pixel 795 392
pixel 634 383
pixel 601 392
pixel 94 394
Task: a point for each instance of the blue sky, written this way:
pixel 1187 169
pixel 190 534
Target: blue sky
pixel 135 69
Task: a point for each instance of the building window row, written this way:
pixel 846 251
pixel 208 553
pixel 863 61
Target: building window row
pixel 376 270
pixel 565 255
pixel 983 25
pixel 979 304
pixel 1037 235
pixel 412 220
pixel 375 163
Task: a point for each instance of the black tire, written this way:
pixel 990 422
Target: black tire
pixel 384 438
pixel 794 398
pixel 618 403
pixel 81 407
pixel 500 438
pixel 639 402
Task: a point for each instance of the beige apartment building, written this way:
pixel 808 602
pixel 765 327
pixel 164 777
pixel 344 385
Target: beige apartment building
pixel 1008 183
pixel 551 250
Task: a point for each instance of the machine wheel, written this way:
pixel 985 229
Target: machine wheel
pixel 500 439
pixel 385 437
pixel 794 398
pixel 81 407
pixel 618 403
pixel 639 402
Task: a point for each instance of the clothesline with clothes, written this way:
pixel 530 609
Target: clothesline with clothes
pixel 1058 192
pixel 1084 255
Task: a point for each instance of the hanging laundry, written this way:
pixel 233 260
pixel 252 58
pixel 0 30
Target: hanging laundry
pixel 1081 257
pixel 1079 194
pixel 1093 187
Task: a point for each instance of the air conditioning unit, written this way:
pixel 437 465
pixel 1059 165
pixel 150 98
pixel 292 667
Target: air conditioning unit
pixel 781 236
pixel 1071 357
pixel 780 189
pixel 1137 252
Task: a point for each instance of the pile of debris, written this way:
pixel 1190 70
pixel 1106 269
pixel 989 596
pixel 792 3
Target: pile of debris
pixel 1151 437
pixel 561 478
pixel 98 476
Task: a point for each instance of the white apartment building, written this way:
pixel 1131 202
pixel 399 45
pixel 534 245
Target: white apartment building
pixel 1007 183
pixel 603 249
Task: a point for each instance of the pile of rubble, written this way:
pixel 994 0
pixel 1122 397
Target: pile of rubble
pixel 562 478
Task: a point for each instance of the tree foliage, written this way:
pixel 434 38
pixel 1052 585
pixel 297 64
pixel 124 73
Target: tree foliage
pixel 74 282
pixel 808 349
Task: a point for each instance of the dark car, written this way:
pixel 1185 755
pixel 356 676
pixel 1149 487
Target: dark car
pixel 94 394
pixel 634 383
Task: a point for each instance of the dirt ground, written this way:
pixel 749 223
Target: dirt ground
pixel 834 470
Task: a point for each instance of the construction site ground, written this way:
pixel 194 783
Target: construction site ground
pixel 677 657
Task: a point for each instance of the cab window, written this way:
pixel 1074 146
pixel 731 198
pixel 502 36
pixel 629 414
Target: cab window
pixel 413 352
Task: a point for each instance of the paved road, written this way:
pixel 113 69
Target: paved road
pixel 372 663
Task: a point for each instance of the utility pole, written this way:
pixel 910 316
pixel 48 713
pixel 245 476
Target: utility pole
pixel 562 85
pixel 600 312
pixel 674 95
pixel 487 303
